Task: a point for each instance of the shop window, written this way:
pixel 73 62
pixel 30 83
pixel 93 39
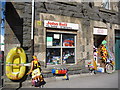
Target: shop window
pixel 117 33
pixel 60 48
pixel 103 3
pixel 53 56
pixel 68 55
pixel 106 4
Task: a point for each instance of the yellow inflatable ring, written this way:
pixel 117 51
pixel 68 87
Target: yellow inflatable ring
pixel 15 61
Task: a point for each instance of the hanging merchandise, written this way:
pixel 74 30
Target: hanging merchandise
pixel 104 42
pixel 15 60
pixel 37 77
pixel 107 58
pixel 110 54
pixel 104 53
pixel 95 52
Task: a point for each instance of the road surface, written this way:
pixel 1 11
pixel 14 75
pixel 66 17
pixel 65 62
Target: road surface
pixel 90 81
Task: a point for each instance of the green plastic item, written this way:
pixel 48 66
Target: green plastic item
pixel 104 42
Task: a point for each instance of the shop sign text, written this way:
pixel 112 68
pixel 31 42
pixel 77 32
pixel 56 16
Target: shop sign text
pixel 100 31
pixel 62 25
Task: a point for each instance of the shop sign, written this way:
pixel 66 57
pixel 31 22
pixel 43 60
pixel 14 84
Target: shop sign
pixel 62 25
pixel 100 31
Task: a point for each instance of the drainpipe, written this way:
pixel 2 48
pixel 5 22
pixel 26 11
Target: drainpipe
pixel 32 27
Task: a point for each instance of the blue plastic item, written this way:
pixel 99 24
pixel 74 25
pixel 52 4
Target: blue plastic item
pixel 53 70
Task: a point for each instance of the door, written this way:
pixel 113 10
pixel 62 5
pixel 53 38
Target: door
pixel 117 52
pixel 117 49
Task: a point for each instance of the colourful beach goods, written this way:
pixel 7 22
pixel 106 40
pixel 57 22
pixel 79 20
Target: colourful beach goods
pixel 59 71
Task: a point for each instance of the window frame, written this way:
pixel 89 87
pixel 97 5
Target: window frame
pixel 61 46
pixel 105 2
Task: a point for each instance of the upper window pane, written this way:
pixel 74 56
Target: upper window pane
pixel 106 4
pixel 68 40
pixel 53 39
pixel 103 3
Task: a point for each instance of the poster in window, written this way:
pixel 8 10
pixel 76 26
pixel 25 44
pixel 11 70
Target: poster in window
pixel 56 36
pixel 49 41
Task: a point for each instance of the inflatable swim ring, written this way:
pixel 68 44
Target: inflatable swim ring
pixel 15 61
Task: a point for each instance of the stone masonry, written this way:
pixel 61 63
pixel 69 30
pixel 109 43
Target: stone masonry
pixel 18 26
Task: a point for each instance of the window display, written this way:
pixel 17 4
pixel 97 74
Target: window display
pixel 68 40
pixel 60 48
pixel 68 56
pixel 53 56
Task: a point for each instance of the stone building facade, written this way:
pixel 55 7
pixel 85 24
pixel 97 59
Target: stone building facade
pixel 88 16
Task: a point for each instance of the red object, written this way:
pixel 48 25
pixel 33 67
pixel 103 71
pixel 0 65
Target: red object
pixel 59 71
pixel 62 71
pixel 68 42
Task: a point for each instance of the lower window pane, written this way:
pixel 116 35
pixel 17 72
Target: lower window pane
pixel 68 56
pixel 53 56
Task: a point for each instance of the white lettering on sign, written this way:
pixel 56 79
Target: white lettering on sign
pixel 63 25
pixel 100 31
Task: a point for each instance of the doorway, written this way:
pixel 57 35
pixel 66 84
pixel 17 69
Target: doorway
pixel 97 43
pixel 117 49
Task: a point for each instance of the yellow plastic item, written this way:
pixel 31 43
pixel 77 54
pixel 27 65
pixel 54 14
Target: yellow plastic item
pixel 56 71
pixel 113 63
pixel 65 76
pixel 15 57
pixel 94 64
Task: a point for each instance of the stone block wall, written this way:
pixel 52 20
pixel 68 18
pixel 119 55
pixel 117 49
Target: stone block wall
pixel 18 22
pixel 85 11
pixel 18 26
pixel 78 10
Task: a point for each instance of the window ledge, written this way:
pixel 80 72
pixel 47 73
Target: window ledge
pixel 107 11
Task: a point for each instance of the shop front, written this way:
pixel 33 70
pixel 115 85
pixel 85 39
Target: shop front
pixel 100 34
pixel 103 48
pixel 60 42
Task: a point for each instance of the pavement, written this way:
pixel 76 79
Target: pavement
pixel 27 83
pixel 87 81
